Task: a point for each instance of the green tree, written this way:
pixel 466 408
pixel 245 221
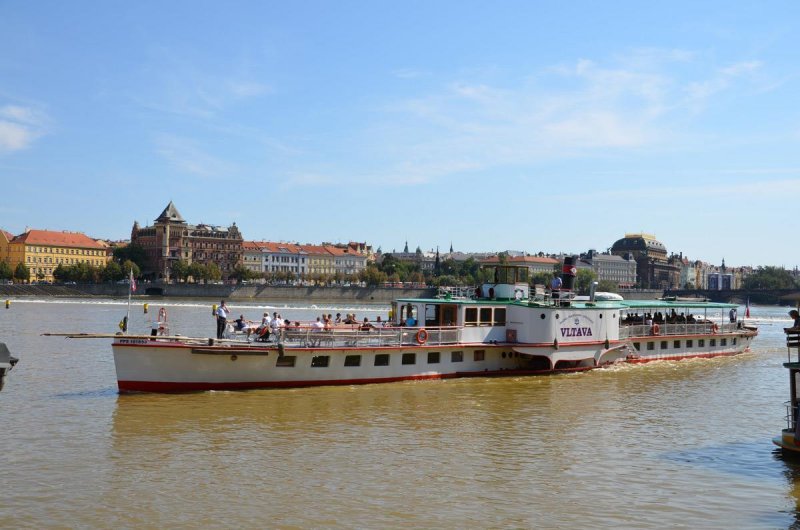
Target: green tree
pixel 198 272
pixel 5 270
pixel 583 280
pixel 22 273
pixel 769 278
pixel 607 286
pixel 213 272
pixel 241 273
pixel 541 278
pixel 132 252
pixel 373 276
pixel 113 272
pixel 128 266
pixel 180 270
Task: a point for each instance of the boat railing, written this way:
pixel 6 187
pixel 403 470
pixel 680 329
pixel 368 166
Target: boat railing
pixel 455 293
pixel 791 414
pixel 366 338
pixel 694 328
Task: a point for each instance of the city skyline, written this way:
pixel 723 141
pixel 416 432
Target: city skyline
pixel 522 126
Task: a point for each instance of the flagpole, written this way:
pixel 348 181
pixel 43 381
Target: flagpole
pixel 130 289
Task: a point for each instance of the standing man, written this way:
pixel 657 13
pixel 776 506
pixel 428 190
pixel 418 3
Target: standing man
pixel 732 315
pixel 222 318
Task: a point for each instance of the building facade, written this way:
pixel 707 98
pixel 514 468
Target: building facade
pixel 654 270
pixel 535 264
pixel 171 239
pixel 620 270
pixel 42 251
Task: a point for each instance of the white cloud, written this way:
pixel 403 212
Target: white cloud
pixel 584 108
pixel 19 127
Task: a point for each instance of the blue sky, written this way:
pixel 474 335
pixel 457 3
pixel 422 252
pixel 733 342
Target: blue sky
pixel 536 126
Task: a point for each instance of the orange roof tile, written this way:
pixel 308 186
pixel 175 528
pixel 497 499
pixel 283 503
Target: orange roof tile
pixel 57 239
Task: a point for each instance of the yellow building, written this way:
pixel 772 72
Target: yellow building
pixel 43 250
pixel 5 237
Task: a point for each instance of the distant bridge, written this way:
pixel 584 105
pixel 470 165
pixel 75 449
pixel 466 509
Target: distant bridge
pixel 740 296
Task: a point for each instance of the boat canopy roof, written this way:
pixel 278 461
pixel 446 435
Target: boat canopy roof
pixel 636 304
pixel 621 304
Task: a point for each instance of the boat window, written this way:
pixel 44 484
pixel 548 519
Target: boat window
pixel 352 360
pixel 664 345
pixel 479 355
pixel 701 343
pixel 449 313
pixel 457 357
pixel 287 361
pixel 409 358
pixel 723 342
pixel 676 344
pixel 734 341
pixel 471 316
pixel 431 315
pixel 689 343
pixel 408 311
pixel 651 346
pixel 486 316
pixel 712 342
pixel 382 359
pixel 320 361
pixel 638 346
pixel 500 316
pixel 433 357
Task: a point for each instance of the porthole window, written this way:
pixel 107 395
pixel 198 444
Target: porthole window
pixel 542 316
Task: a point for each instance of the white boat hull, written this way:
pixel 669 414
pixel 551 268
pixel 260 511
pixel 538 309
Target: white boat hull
pixel 168 365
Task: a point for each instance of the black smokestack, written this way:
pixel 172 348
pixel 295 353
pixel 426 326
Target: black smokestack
pixel 568 273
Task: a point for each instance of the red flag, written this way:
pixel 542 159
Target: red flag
pixel 747 308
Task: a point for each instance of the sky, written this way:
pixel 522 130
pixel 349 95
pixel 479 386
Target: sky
pixel 513 125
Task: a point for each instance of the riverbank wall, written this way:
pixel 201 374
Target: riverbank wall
pixel 375 295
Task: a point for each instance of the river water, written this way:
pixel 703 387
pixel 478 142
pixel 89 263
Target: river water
pixel 666 444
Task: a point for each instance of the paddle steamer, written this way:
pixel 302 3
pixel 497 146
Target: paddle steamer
pixel 502 328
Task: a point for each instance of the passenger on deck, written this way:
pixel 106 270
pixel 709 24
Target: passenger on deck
pixel 796 317
pixel 317 326
pixel 338 318
pixel 244 325
pixel 411 321
pixel 366 325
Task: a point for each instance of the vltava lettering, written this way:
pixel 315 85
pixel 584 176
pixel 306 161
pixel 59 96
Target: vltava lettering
pixel 576 332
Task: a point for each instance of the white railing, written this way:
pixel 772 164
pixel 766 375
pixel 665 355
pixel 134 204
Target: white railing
pixel 704 328
pixel 463 293
pixel 377 337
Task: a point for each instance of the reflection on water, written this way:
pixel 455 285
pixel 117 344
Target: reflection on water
pixel 663 444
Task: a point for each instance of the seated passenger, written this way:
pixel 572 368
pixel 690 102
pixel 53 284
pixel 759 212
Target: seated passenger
pixel 366 325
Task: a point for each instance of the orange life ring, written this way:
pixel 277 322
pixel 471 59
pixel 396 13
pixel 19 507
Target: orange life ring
pixel 656 329
pixel 422 337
